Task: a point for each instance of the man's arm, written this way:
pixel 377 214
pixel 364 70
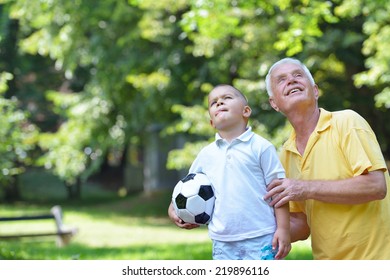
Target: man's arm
pixel 299 228
pixel 360 189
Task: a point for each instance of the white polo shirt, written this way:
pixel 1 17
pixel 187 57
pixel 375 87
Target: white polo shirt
pixel 240 172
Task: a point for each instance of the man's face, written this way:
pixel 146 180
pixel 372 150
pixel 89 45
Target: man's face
pixel 291 86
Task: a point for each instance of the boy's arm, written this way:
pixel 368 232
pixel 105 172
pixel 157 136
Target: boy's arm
pixel 282 239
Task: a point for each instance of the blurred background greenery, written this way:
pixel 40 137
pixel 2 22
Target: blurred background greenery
pixel 108 97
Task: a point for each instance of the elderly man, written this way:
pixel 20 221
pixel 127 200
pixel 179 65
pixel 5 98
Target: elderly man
pixel 337 178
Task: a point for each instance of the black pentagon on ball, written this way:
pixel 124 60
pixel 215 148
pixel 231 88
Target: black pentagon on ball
pixel 206 192
pixel 202 218
pixel 190 176
pixel 181 201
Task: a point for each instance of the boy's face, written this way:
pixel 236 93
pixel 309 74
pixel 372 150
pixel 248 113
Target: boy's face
pixel 227 108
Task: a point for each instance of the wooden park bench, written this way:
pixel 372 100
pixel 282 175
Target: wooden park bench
pixel 63 233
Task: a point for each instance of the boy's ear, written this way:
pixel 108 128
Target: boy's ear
pixel 247 111
pixel 211 123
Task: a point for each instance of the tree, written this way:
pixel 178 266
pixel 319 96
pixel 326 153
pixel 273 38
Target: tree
pixel 128 65
pixel 132 76
pixel 18 140
pixel 334 38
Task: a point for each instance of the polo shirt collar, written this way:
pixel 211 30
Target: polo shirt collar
pixel 244 137
pixel 324 120
pixel 323 124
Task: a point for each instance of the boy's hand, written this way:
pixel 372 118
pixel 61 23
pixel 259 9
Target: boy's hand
pixel 281 241
pixel 179 222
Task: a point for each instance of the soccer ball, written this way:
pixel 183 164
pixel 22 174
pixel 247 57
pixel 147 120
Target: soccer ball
pixel 193 199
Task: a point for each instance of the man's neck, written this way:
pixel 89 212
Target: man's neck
pixel 304 124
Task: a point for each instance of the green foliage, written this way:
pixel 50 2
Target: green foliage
pixel 18 136
pixel 194 120
pixel 181 159
pixel 127 65
pixel 303 23
pixel 326 35
pixel 376 27
pixel 76 150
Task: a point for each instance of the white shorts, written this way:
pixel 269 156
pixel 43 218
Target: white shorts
pixel 259 248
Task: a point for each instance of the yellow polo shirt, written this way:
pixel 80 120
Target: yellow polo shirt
pixel 342 145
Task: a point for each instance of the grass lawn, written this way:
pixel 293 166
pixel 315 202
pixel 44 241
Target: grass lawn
pixel 109 227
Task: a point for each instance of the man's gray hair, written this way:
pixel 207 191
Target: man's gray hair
pixel 284 61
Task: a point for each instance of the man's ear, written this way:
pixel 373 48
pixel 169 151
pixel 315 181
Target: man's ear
pixel 273 104
pixel 316 92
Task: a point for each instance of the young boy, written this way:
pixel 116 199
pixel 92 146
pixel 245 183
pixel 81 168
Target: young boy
pixel 240 164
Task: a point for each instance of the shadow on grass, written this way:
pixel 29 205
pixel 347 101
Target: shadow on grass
pixel 47 251
pixel 25 250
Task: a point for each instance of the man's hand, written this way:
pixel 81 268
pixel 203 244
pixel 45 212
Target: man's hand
pixel 281 191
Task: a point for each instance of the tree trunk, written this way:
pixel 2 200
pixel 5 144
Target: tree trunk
pixel 74 190
pixel 11 190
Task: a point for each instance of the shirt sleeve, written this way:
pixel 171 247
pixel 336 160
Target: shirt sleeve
pixel 271 165
pixel 361 147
